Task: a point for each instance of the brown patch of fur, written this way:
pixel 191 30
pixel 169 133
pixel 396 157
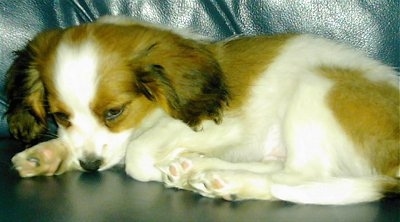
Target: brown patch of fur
pixel 117 79
pixel 116 91
pixel 369 112
pixel 180 75
pixel 391 188
pixel 143 67
pixel 191 81
pixel 27 112
pixel 243 61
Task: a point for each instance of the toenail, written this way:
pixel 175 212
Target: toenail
pixel 171 179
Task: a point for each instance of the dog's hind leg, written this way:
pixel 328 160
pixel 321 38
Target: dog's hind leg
pixel 192 171
pixel 232 184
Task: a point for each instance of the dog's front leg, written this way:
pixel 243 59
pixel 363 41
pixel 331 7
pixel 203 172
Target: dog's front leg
pixel 140 163
pixel 46 158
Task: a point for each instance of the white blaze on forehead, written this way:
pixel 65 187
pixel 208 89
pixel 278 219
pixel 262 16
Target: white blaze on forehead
pixel 76 74
pixel 76 71
pixel 75 78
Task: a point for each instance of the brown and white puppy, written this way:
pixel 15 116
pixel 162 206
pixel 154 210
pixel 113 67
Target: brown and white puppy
pixel 290 117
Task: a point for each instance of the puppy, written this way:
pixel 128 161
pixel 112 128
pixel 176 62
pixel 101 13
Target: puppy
pixel 288 117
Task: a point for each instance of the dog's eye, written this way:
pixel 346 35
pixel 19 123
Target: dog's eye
pixel 114 113
pixel 62 118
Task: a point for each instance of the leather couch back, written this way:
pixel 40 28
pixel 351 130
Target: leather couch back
pixel 372 26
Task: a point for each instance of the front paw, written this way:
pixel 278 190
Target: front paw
pixel 47 158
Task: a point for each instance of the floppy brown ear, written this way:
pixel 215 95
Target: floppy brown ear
pixel 185 80
pixel 26 113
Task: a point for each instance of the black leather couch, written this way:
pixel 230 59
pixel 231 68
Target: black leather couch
pixel 372 26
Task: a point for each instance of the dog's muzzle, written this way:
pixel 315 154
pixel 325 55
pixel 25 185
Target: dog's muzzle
pixel 91 163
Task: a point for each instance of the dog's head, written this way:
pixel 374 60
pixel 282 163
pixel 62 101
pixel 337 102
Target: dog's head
pixel 103 82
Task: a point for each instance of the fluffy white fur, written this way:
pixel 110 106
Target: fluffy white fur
pixel 285 144
pixel 318 151
pixel 87 135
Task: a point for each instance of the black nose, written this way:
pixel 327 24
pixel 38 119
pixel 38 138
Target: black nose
pixel 91 163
